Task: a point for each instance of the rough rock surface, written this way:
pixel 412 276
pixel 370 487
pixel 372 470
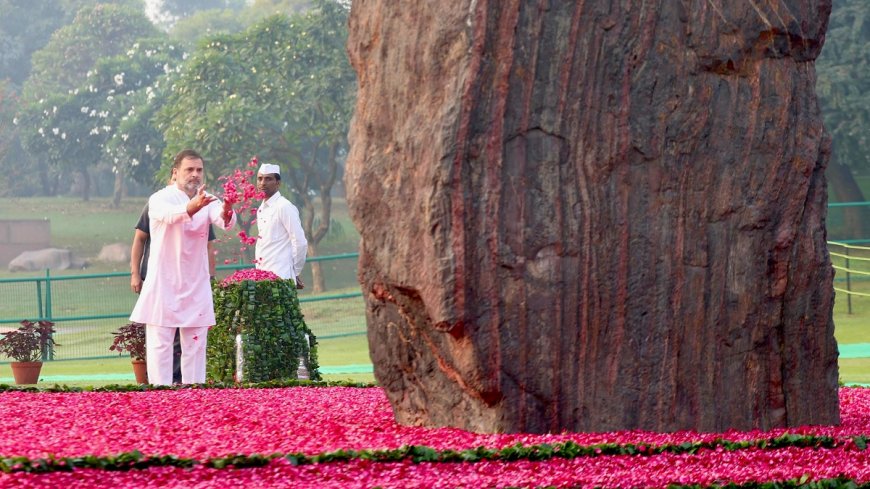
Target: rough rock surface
pixel 115 252
pixel 594 215
pixel 52 258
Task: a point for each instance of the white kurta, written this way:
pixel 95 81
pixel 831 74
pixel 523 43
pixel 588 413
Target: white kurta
pixel 281 244
pixel 177 292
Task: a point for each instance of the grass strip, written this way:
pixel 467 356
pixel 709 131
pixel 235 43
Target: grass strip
pixel 271 384
pixel 423 454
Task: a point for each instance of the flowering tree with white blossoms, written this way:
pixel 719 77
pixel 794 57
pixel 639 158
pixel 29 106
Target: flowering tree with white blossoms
pixel 107 118
pixel 65 75
pixel 136 145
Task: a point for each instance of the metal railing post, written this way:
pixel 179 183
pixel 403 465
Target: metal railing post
pixel 39 307
pixel 848 283
pixel 47 355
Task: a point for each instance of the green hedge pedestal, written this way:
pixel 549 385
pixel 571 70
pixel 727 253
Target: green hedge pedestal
pixel 265 316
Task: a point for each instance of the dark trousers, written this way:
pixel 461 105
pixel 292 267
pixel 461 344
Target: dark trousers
pixel 176 358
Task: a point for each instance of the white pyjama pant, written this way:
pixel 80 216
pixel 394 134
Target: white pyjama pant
pixel 158 349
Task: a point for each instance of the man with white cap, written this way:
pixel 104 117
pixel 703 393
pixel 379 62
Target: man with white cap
pixel 281 244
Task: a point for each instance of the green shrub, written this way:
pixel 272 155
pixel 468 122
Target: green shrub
pixel 267 315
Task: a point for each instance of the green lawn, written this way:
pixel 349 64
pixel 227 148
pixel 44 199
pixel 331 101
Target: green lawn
pixel 855 370
pixel 855 327
pixel 864 184
pixel 83 227
pixel 852 311
pixel 350 352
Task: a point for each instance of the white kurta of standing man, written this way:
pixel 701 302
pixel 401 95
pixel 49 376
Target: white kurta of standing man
pixel 177 292
pixel 281 244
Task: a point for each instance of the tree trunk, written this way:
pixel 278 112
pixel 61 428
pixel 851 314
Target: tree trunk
pixel 86 185
pixel 318 283
pixel 587 216
pixel 316 234
pixel 856 220
pixel 45 180
pixel 55 181
pixel 118 193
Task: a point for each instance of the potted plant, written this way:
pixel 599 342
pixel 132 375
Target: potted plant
pixel 28 345
pixel 130 338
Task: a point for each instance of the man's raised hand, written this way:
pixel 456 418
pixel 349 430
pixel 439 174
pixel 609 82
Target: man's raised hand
pixel 228 213
pixel 200 200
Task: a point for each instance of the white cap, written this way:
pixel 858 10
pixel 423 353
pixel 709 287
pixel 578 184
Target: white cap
pixel 266 169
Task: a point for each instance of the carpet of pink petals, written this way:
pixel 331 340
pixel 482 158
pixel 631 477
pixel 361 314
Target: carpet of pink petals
pixel 707 467
pixel 205 423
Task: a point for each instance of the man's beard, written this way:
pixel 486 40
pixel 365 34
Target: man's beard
pixel 191 186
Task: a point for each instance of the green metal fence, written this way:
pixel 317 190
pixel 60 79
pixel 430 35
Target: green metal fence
pixel 848 226
pixel 87 308
pixel 849 222
pixel 852 272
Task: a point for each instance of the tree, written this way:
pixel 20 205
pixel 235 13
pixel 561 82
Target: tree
pixel 97 32
pixel 26 25
pixel 136 146
pixel 844 93
pixel 281 90
pixel 185 8
pixel 8 100
pixel 214 21
pixel 207 23
pixel 172 11
pixel 60 138
pixel 108 117
pixel 51 118
pixel 266 8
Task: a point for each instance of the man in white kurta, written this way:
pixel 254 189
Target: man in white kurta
pixel 281 244
pixel 177 293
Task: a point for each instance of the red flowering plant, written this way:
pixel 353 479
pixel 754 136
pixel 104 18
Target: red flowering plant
pixel 130 338
pixel 31 342
pixel 241 192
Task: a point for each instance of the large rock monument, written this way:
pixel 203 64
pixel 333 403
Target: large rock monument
pixel 594 215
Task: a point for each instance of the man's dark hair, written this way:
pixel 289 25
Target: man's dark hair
pixel 183 154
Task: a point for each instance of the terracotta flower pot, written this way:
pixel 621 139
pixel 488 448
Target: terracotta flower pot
pixel 26 372
pixel 141 371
